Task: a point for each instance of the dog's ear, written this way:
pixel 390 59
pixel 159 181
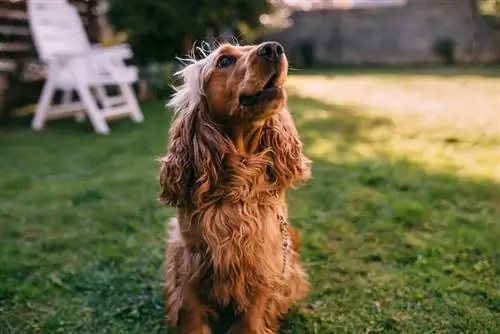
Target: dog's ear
pixel 193 165
pixel 176 177
pixel 290 165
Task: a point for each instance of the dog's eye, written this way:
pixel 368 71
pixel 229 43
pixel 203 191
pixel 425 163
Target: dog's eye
pixel 225 61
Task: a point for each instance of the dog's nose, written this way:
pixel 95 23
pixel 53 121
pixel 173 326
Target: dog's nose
pixel 270 50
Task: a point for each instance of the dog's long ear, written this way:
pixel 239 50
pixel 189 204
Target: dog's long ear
pixel 290 164
pixel 193 164
pixel 176 175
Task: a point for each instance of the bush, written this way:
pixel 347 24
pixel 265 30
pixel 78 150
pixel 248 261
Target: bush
pixel 160 78
pixel 306 49
pixel 444 48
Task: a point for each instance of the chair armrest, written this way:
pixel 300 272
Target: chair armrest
pixel 115 52
pixel 121 51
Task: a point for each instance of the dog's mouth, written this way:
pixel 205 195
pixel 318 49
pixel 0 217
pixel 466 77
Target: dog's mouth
pixel 267 92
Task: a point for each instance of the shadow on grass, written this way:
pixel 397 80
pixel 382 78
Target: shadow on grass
pixel 318 120
pixel 389 246
pixel 392 248
pixel 388 242
pixel 19 126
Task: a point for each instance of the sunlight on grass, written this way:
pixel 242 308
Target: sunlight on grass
pixel 444 123
pixel 413 159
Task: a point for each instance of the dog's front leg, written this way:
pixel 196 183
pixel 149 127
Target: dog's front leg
pixel 193 315
pixel 256 320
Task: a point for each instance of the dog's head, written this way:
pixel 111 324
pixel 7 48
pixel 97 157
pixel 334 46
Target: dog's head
pixel 239 84
pixel 230 103
pixel 246 83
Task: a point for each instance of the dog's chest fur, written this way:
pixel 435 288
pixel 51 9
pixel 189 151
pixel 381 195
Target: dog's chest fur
pixel 242 247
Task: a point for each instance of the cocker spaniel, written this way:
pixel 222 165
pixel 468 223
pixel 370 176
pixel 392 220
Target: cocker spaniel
pixel 233 151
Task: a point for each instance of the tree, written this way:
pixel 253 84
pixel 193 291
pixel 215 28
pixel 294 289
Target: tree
pixel 160 29
pixel 490 7
pixel 232 12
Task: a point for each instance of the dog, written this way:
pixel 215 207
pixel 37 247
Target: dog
pixel 233 152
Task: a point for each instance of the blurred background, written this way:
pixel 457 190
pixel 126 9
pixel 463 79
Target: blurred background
pixel 397 103
pixel 316 33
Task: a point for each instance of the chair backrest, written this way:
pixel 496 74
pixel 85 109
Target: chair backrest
pixel 57 28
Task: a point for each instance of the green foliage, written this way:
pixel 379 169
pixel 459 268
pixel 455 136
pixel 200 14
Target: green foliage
pixel 306 48
pixel 160 78
pixel 160 29
pixel 232 11
pixel 489 7
pixel 152 26
pixel 444 48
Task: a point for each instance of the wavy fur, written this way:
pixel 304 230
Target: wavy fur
pixel 224 251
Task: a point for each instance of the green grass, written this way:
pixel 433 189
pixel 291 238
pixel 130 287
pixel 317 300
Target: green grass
pixel 401 222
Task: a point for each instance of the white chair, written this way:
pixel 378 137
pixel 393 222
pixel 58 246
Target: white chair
pixel 76 65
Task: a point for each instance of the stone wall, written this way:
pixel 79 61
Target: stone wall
pixel 394 35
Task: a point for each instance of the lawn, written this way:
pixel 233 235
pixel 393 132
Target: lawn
pixel 401 222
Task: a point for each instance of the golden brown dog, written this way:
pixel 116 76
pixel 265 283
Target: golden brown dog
pixel 233 152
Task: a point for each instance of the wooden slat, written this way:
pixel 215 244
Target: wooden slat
pixel 29 70
pixel 13 14
pixel 21 5
pixel 15 47
pixel 7 65
pixel 15 39
pixel 13 30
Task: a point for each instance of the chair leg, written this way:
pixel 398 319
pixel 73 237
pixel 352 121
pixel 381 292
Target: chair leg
pixel 80 116
pixel 66 99
pixel 128 93
pixel 43 105
pixel 102 96
pixel 95 116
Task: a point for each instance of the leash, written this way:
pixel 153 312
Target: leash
pixel 285 236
